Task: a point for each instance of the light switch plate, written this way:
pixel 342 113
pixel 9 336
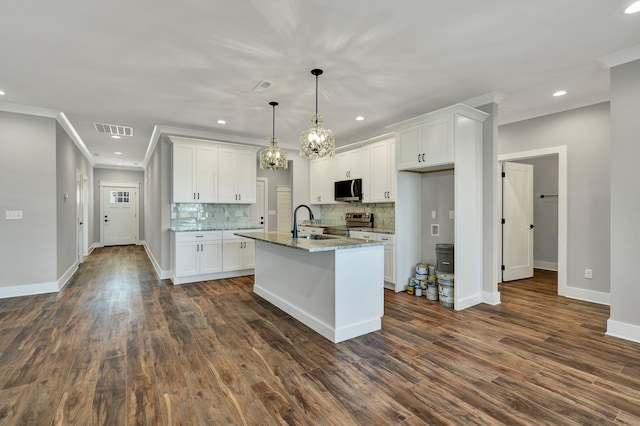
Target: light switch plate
pixel 13 215
pixel 433 214
pixel 452 214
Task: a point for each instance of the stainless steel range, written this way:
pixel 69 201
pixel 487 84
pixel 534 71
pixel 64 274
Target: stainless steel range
pixel 353 220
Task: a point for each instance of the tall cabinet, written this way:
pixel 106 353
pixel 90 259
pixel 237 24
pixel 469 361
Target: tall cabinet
pixel 450 138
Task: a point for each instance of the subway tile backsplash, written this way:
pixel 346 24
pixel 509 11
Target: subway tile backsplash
pixel 210 215
pixel 384 215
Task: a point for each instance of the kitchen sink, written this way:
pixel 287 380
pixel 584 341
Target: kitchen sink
pixel 316 237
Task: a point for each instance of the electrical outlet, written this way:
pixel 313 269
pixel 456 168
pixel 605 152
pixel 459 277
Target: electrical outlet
pixel 13 215
pixel 588 273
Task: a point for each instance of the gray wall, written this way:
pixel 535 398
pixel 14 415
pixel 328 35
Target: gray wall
pixel 545 210
pixel 27 183
pixel 120 176
pixel 437 194
pixel 625 195
pixel 586 133
pixel 68 159
pixel 276 177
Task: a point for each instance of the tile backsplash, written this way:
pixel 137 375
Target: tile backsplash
pixel 210 215
pixel 384 214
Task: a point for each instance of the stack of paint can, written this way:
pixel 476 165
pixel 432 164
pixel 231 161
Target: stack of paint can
pixel 418 284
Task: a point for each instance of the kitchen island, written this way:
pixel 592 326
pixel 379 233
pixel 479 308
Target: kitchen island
pixel 333 285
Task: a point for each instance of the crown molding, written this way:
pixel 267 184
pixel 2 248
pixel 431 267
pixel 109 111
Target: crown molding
pixel 488 98
pixel 620 57
pixel 159 131
pixel 29 110
pixel 75 137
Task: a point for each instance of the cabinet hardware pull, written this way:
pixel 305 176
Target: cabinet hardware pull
pixel 198 195
pixel 423 160
pixel 418 158
pixel 239 196
pixel 194 195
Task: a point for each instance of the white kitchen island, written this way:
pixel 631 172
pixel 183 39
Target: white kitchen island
pixel 334 286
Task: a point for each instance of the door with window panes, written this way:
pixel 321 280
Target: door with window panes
pixel 119 215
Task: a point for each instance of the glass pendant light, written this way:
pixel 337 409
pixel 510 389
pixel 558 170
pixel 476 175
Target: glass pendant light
pixel 272 157
pixel 317 142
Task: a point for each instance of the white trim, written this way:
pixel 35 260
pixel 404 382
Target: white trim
pixel 620 57
pixel 491 298
pixel 64 279
pixel 623 330
pixel 468 302
pixel 29 110
pixel 487 98
pixel 102 183
pixel 163 275
pixel 28 289
pixel 587 295
pixel 75 137
pixel 547 266
pixel 209 277
pixel 561 152
pixel 93 247
pixel 506 117
pixel 114 167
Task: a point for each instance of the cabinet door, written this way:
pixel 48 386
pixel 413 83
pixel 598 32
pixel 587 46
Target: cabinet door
pixel 227 172
pixel 355 163
pixel 321 181
pixel 410 152
pixel 393 173
pixel 380 171
pixel 187 259
pixel 184 176
pixel 389 263
pixel 210 257
pixel 438 141
pixel 207 174
pixel 341 166
pixel 232 255
pixel 246 177
pixel 249 254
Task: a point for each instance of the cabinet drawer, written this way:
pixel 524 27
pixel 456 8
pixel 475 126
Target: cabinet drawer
pixel 182 237
pixel 386 238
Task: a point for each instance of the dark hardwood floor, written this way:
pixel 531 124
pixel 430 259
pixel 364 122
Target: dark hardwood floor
pixel 118 346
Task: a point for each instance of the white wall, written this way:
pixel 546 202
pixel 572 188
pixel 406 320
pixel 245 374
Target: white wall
pixel 586 134
pixel 27 183
pixel 625 201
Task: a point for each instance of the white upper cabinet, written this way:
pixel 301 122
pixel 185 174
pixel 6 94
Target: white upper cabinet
pixel 321 181
pixel 236 175
pixel 348 165
pixel 382 172
pixel 426 145
pixel 194 174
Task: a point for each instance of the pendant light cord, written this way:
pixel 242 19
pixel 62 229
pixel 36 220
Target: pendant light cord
pixel 273 133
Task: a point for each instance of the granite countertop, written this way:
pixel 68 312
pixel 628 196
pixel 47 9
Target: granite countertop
pixel 285 239
pixel 191 228
pixel 376 230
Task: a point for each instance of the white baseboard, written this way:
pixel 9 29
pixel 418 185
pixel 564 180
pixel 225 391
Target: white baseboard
pixel 549 266
pixel 28 290
pixel 163 275
pixel 93 247
pixel 586 295
pixel 64 279
pixel 467 302
pixel 491 298
pixel 210 277
pixel 623 330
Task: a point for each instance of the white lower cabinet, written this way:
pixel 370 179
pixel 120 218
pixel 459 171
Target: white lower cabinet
pixel 197 253
pixel 389 251
pixel 238 253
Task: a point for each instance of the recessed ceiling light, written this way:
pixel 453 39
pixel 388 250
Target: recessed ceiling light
pixel 222 122
pixel 634 8
pixel 1 93
pixel 117 153
pixel 120 164
pixel 560 93
pixel 359 118
pixel 115 136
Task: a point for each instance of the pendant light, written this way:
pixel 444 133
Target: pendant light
pixel 272 157
pixel 317 142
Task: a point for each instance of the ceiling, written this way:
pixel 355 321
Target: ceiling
pixel 190 63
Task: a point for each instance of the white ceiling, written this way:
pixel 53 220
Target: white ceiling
pixel 189 63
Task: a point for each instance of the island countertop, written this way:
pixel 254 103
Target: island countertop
pixel 309 245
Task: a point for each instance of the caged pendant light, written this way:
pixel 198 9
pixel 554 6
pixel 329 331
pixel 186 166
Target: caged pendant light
pixel 317 142
pixel 272 157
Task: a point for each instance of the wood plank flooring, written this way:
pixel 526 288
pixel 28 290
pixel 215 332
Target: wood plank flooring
pixel 118 346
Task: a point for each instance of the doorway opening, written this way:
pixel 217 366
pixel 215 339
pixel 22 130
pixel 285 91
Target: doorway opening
pixel 560 199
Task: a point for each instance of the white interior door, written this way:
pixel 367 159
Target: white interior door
pixel 259 210
pixel 284 207
pixel 79 216
pixel 119 215
pixel 517 213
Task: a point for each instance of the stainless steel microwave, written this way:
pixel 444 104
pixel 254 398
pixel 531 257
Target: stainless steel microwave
pixel 348 190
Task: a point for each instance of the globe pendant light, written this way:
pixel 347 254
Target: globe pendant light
pixel 317 142
pixel 272 157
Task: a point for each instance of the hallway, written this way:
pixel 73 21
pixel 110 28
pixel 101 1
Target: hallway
pixel 117 346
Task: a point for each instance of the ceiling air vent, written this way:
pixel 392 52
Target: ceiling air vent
pixel 262 86
pixel 113 129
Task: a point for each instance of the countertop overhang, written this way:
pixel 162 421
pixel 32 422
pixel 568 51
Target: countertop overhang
pixel 285 239
pixel 202 228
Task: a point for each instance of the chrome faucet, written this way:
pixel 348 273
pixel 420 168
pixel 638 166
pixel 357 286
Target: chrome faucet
pixel 294 231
